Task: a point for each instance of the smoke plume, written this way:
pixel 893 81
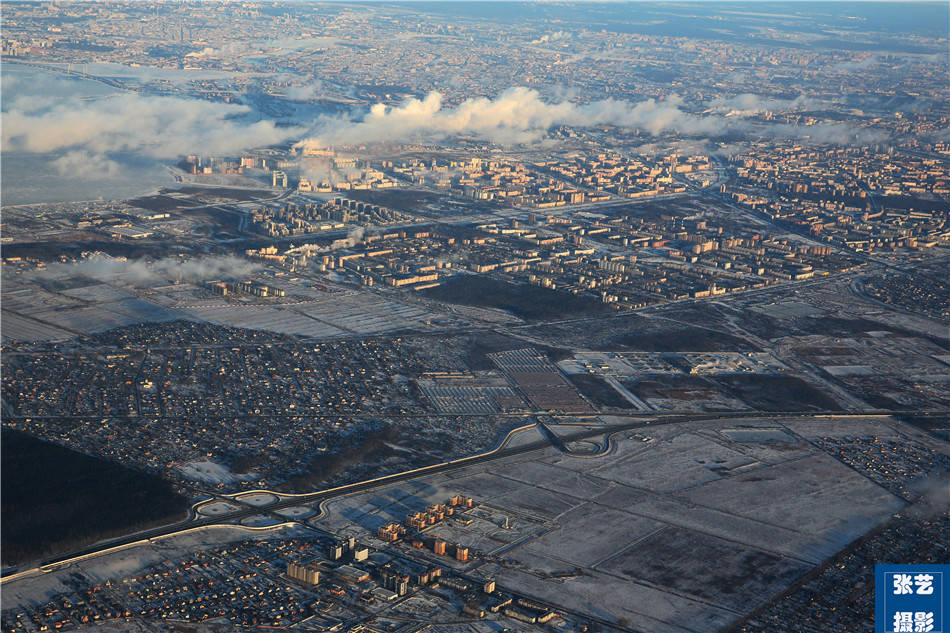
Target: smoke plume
pixel 103 267
pixel 355 236
pixel 552 37
pixel 158 127
pixel 750 104
pixel 520 115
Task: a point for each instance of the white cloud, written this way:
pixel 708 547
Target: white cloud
pixel 207 51
pixel 81 164
pixel 751 104
pixel 519 115
pixel 516 115
pixel 552 37
pixel 158 127
pixel 106 268
pixel 306 92
pixel 858 63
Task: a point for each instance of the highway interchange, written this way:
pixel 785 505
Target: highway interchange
pixel 587 427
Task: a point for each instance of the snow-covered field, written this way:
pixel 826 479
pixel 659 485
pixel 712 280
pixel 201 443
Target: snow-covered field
pixel 209 472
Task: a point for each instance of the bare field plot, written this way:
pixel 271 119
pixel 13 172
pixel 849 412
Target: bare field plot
pixel 679 527
pixel 20 328
pixel 707 567
pixel 105 316
pixel 270 318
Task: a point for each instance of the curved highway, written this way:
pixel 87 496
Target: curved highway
pixel 318 497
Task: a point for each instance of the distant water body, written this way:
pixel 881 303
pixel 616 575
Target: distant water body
pixel 830 25
pixel 29 178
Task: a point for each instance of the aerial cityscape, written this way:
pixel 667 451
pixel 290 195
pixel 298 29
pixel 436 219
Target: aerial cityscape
pixel 472 317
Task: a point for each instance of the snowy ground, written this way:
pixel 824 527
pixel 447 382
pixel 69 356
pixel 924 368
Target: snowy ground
pixel 256 498
pixel 297 512
pixel 680 527
pixel 217 508
pixel 208 472
pixel 35 587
